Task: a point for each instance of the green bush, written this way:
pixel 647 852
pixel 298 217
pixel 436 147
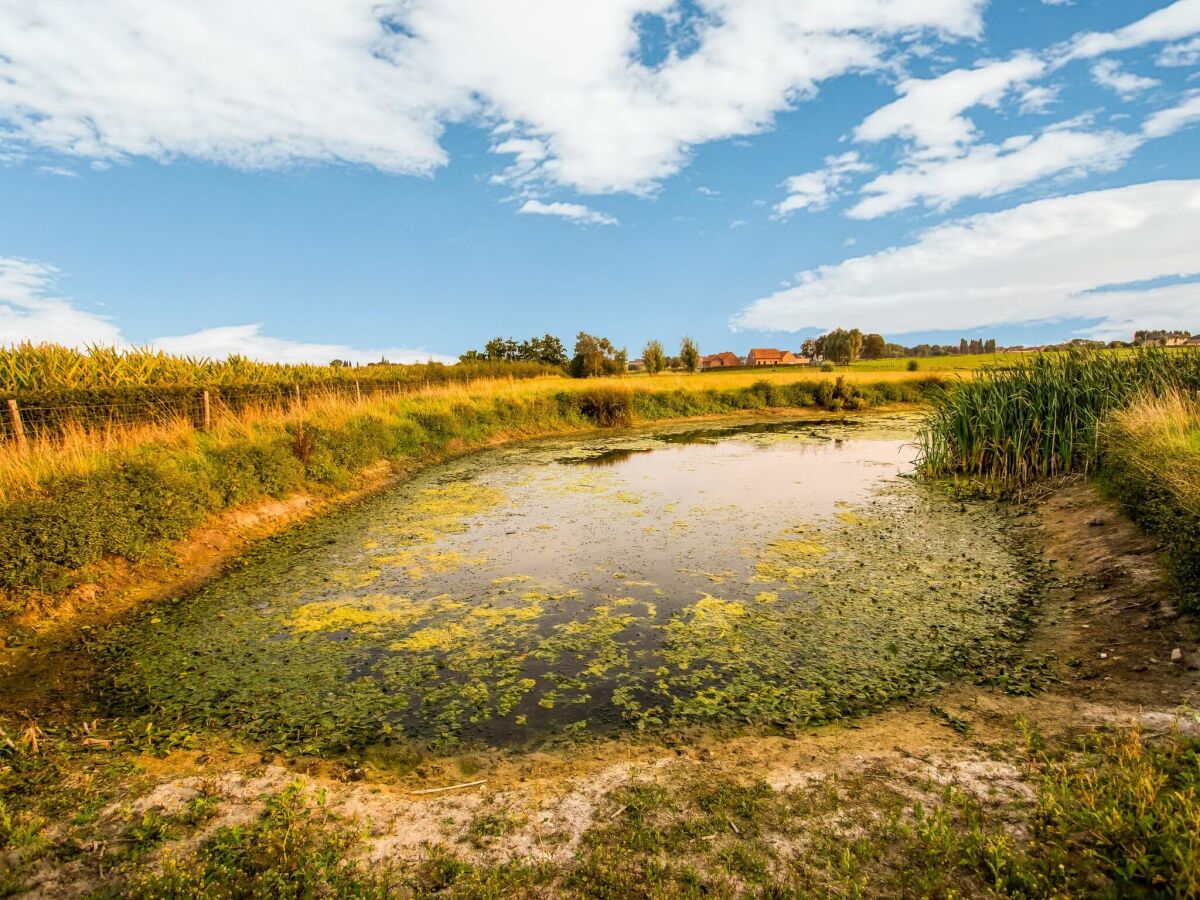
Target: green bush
pixel 606 406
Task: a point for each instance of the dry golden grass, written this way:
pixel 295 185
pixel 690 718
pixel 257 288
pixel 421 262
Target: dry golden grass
pixel 81 449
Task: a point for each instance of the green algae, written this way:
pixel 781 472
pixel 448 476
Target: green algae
pixel 449 611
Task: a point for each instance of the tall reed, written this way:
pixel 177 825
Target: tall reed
pixel 1040 417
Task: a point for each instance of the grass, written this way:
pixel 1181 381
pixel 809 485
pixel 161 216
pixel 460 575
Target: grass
pixel 1152 468
pixel 1114 813
pixel 129 493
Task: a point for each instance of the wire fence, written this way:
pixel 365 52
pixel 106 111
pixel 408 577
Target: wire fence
pixel 47 417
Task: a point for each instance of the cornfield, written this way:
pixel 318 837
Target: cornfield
pixel 1041 417
pixel 33 368
pixel 59 388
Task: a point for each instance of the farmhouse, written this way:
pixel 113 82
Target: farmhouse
pixel 771 357
pixel 724 360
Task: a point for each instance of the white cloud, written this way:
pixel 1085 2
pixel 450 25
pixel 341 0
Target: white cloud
pixel 815 190
pixel 32 310
pixel 1041 261
pixel 373 82
pixel 1109 74
pixel 575 212
pixel 1166 122
pixel 1038 99
pixel 1180 19
pixel 249 341
pixel 988 170
pixel 1186 53
pixel 248 84
pixel 930 111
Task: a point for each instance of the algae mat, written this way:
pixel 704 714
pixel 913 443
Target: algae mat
pixel 770 575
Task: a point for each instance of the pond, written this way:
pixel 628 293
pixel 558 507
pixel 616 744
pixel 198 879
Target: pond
pixel 768 575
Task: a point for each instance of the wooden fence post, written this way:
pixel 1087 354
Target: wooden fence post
pixel 297 387
pixel 357 392
pixel 207 413
pixel 18 427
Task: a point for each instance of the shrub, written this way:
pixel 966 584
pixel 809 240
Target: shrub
pixel 827 367
pixel 606 406
pixel 912 365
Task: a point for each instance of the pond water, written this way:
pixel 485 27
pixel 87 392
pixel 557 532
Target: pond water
pixel 771 575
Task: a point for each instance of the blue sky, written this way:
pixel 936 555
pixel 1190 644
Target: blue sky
pixel 304 181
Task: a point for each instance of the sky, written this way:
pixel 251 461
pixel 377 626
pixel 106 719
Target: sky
pixel 318 179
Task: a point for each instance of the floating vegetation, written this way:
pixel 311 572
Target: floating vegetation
pixel 813 584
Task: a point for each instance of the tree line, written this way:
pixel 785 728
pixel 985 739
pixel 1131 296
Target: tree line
pixel 593 356
pixel 844 346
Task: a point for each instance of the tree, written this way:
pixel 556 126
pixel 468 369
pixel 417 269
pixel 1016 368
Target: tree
pixel 809 349
pixel 855 341
pixel 874 346
pixel 819 347
pixel 962 346
pixel 689 354
pixel 547 349
pixel 989 345
pixel 837 346
pixel 654 357
pixel 596 356
pixel 472 356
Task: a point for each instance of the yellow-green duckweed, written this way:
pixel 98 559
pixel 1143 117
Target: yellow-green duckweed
pixel 446 610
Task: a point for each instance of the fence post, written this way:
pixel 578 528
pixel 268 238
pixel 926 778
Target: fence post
pixel 207 413
pixel 297 388
pixel 357 392
pixel 18 427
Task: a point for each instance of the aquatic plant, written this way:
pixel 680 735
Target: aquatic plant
pixel 1041 417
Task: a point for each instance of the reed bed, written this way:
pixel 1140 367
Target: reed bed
pixel 1041 417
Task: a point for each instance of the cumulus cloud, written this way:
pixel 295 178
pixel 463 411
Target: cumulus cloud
pixel 1180 19
pixel 1126 85
pixel 1042 261
pixel 815 190
pixel 1167 121
pixel 249 341
pixel 929 112
pixel 575 212
pixel 1186 53
pixel 373 82
pixel 988 170
pixel 248 84
pixel 31 309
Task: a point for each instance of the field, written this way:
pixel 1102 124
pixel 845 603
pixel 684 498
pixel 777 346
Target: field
pixel 686 635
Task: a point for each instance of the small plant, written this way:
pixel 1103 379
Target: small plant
pixel 827 367
pixel 912 365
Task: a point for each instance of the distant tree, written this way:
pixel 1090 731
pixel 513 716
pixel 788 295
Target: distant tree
pixel 654 357
pixel 547 349
pixel 837 346
pixel 819 346
pixel 596 356
pixel 809 348
pixel 989 346
pixel 854 345
pixel 963 346
pixel 472 356
pixel 874 346
pixel 496 349
pixel 689 354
